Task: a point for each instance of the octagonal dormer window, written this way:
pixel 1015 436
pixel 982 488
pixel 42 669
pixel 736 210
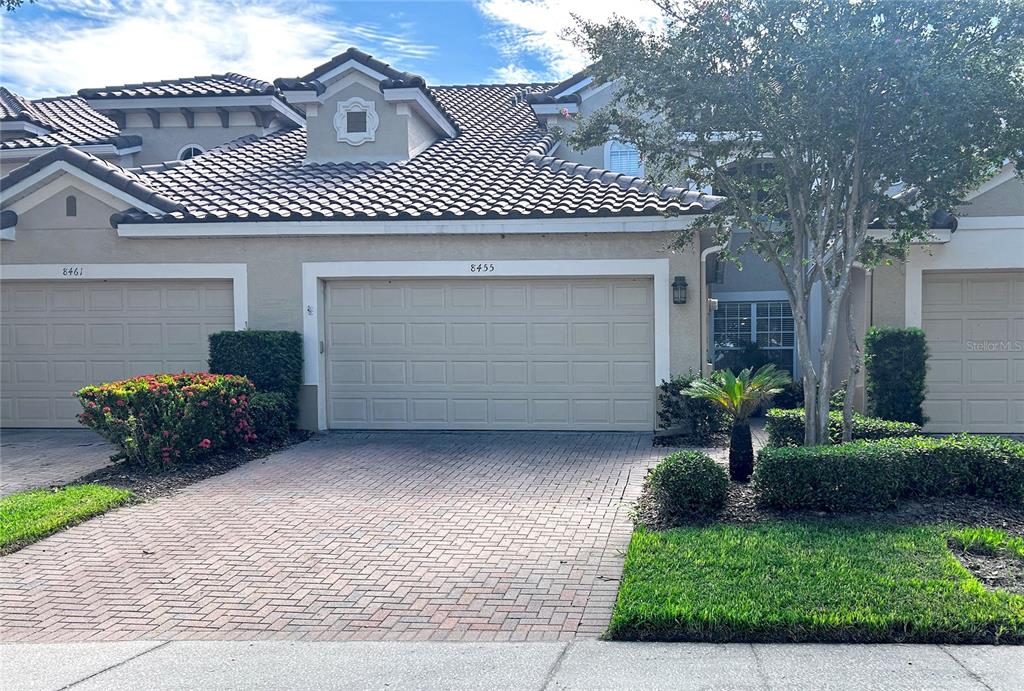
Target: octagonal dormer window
pixel 356 121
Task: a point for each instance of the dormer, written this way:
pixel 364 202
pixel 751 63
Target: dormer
pixel 361 110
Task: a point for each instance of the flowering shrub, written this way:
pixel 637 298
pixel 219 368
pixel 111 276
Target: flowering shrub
pixel 161 419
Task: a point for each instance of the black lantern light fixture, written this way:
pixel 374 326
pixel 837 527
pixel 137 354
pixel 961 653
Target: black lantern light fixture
pixel 679 290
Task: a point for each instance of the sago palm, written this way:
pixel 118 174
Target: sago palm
pixel 740 395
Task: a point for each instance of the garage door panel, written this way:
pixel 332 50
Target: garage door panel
pixel 975 335
pixel 61 336
pixel 490 353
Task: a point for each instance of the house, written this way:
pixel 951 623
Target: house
pixel 965 289
pixel 450 263
pixel 446 267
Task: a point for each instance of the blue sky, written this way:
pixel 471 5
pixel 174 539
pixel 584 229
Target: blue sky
pixel 59 46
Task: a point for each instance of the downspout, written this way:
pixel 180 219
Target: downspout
pixel 705 304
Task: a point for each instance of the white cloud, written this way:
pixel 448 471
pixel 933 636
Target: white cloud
pixel 92 43
pixel 536 29
pixel 511 74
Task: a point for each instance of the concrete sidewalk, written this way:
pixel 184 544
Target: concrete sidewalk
pixel 584 664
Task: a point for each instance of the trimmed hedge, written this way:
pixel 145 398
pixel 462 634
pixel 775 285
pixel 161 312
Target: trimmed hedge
pixel 786 427
pixel 865 475
pixel 160 419
pixel 895 365
pixel 271 414
pixel 699 421
pixel 272 360
pixel 687 485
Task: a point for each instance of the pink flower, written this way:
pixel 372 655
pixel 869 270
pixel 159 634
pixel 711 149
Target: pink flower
pixel 205 444
pixel 120 402
pixel 106 409
pixel 234 401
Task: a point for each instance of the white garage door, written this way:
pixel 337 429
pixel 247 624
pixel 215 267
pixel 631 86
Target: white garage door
pixel 60 336
pixel 975 327
pixel 573 354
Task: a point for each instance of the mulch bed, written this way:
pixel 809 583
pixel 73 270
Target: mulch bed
pixel 1001 571
pixel 150 484
pixel 742 507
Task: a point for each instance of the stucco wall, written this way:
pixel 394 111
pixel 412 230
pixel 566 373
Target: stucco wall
pixel 1005 200
pixel 164 144
pixel 274 263
pixel 753 272
pixel 887 291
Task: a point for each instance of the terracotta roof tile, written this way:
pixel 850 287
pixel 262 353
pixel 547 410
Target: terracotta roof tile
pixel 69 119
pixel 496 167
pixel 229 84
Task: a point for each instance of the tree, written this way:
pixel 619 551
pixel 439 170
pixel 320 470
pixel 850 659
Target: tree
pixel 740 395
pixel 819 120
pixel 11 5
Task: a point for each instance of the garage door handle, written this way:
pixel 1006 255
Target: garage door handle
pixel 321 347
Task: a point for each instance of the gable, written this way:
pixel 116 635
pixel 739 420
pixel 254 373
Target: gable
pixel 48 210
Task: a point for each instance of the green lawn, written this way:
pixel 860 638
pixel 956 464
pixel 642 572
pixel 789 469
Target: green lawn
pixel 29 516
pixel 807 582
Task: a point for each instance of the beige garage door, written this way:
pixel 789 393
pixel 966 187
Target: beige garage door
pixel 60 336
pixel 491 354
pixel 975 327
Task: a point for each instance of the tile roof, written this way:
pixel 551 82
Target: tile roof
pixel 14 108
pixel 70 120
pixel 229 84
pixel 497 167
pixel 125 180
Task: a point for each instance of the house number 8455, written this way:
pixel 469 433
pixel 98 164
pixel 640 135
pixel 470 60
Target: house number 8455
pixel 481 268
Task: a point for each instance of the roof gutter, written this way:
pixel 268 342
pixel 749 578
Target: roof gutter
pixel 536 226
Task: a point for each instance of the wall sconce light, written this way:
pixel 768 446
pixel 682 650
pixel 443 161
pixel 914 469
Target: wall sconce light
pixel 679 290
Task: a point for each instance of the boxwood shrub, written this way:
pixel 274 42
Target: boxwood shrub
pixel 895 364
pixel 272 360
pixel 695 420
pixel 161 419
pixel 687 485
pixel 864 475
pixel 786 427
pixel 271 415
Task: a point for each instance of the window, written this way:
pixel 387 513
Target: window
pixel 623 158
pixel 356 121
pixel 768 324
pixel 733 326
pixel 70 205
pixel 190 151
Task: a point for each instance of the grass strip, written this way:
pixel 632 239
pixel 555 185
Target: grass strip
pixel 29 516
pixel 793 581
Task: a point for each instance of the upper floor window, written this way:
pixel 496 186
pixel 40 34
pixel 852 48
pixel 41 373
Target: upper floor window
pixel 71 205
pixel 190 151
pixel 623 158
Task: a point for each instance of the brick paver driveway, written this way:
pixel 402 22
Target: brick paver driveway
pixel 43 457
pixel 473 536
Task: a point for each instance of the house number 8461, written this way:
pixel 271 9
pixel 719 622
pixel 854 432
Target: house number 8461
pixel 72 271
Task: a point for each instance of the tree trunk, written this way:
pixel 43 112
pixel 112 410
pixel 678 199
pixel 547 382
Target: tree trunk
pixel 851 379
pixel 741 452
